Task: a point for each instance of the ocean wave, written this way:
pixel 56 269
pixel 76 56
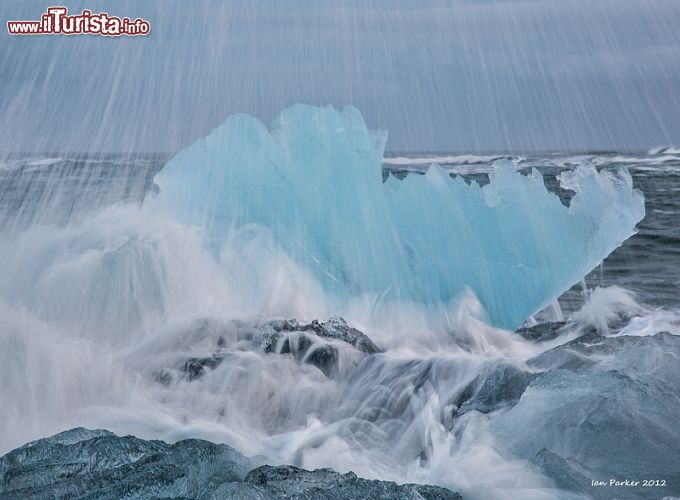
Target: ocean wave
pixel 671 150
pixel 441 160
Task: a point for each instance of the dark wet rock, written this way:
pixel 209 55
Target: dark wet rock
pixel 290 482
pixel 324 357
pixel 270 343
pixel 98 464
pixel 542 331
pixel 501 386
pixel 564 475
pixel 81 463
pixel 336 328
pixel 308 342
pixel 66 454
pixel 195 368
pixel 289 479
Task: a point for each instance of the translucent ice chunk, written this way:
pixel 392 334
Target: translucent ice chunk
pixel 315 181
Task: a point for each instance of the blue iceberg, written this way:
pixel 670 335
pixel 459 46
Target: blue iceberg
pixel 315 183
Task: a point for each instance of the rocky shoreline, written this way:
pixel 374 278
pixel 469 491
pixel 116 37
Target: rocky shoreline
pixel 82 463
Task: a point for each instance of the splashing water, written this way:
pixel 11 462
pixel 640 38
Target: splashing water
pixel 156 317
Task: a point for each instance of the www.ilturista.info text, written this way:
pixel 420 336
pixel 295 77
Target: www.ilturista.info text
pixel 56 21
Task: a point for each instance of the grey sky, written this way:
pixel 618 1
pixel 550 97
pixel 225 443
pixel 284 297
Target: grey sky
pixel 458 75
